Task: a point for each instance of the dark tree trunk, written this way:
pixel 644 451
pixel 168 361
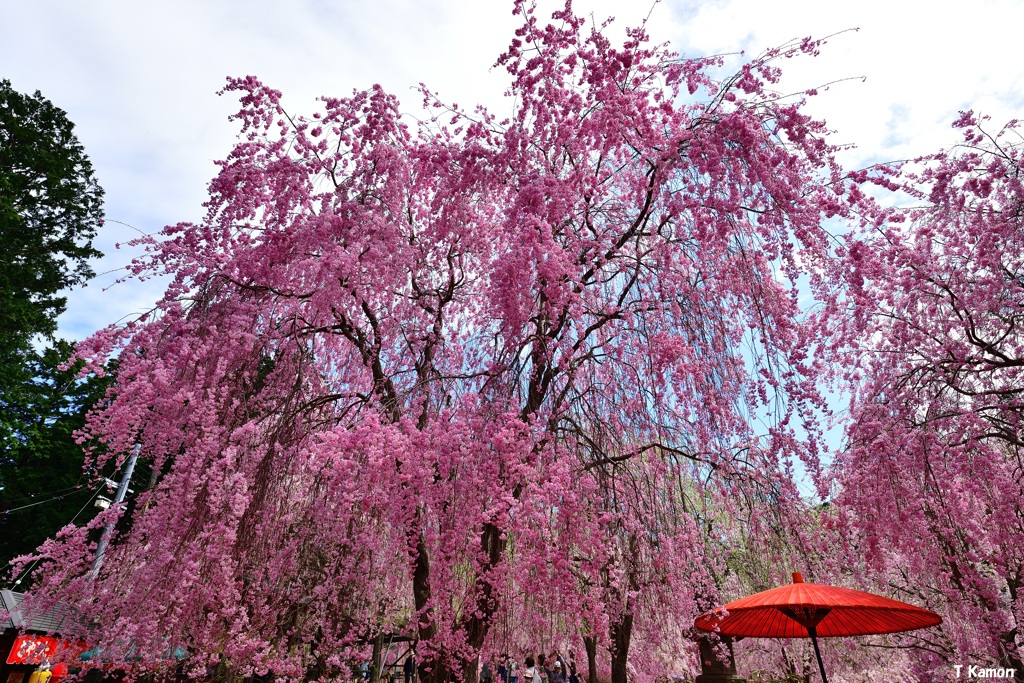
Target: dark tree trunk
pixel 1009 655
pixel 621 632
pixel 713 669
pixel 590 644
pixel 427 670
pixel 476 625
pixel 439 673
pixel 478 622
pixel 421 590
pixel 469 670
pixel 378 647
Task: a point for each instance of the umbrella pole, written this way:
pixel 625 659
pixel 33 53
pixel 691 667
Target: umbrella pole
pixel 813 632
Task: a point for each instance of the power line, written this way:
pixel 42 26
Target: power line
pixel 39 502
pixel 29 568
pixel 37 495
pixel 122 489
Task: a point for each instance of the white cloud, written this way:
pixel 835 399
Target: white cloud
pixel 139 79
pixel 922 61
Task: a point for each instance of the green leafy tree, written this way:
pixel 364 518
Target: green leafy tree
pixel 50 210
pixel 44 485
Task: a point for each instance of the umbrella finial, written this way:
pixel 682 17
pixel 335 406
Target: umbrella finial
pixel 798 577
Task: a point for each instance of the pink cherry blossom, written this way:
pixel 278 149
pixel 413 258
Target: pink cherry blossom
pixel 494 385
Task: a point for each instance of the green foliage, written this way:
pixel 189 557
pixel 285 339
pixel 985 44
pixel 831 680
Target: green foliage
pixel 50 209
pixel 41 475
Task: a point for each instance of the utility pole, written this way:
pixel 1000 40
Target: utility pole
pixel 122 489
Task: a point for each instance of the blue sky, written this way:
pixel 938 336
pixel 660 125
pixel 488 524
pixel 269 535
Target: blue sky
pixel 138 79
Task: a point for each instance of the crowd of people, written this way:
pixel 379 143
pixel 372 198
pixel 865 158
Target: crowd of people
pixel 543 669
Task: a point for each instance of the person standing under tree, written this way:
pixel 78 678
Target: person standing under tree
pixel 409 668
pixel 557 674
pixel 532 673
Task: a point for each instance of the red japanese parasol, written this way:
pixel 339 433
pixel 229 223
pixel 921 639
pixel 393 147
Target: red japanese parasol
pixel 809 610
